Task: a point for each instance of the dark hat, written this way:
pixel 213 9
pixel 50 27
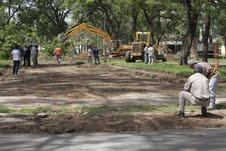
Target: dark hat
pixel 198 68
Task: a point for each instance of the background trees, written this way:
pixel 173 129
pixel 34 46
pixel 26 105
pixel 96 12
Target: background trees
pixel 30 21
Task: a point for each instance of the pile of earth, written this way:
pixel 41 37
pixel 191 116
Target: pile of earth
pixel 56 124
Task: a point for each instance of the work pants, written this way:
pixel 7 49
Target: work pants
pixel 187 96
pixel 96 59
pixel 16 65
pixel 214 80
pixel 146 58
pixel 89 59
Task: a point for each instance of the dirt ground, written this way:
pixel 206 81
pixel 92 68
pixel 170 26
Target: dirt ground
pixel 95 85
pixel 83 81
pixel 56 124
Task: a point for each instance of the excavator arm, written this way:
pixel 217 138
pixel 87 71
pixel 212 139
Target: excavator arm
pixel 88 28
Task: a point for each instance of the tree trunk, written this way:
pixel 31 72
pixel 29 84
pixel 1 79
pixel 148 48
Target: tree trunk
pixel 135 13
pixel 150 22
pixel 194 52
pixel 205 38
pixel 191 25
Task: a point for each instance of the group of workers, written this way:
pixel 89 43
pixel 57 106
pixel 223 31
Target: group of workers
pixel 28 53
pixel 200 89
pixel 149 54
pixel 93 53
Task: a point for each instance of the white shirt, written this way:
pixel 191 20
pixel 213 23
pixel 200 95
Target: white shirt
pixel 198 85
pixel 89 52
pixel 16 54
pixel 33 51
pixel 146 50
pixel 151 51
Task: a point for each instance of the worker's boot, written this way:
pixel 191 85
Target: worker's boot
pixel 204 111
pixel 180 114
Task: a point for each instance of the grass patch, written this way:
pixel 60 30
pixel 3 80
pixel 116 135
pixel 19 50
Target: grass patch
pixel 223 72
pixel 167 67
pixel 4 109
pixel 137 109
pixel 50 109
pixel 221 106
pixel 100 111
pixel 4 63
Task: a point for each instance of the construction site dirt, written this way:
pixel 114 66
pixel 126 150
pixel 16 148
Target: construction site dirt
pixel 95 85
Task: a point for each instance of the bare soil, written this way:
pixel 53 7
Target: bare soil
pixel 56 124
pixel 103 85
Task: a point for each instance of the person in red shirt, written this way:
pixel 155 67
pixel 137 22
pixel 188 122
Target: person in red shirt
pixel 58 53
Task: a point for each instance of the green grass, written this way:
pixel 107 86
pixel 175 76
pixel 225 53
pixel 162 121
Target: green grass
pixel 96 111
pixel 223 72
pixel 221 60
pixel 167 67
pixel 4 63
pixel 50 109
pixel 5 109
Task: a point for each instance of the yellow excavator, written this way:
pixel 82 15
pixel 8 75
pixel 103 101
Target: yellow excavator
pixel 88 28
pixel 107 41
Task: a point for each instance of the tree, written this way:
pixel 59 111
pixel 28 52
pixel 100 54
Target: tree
pixel 51 16
pixel 162 16
pixel 107 15
pixel 192 14
pixel 220 20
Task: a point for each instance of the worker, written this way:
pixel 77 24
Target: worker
pixel 151 54
pixel 96 55
pixel 213 75
pixel 15 55
pixel 146 54
pixel 195 91
pixel 90 54
pixel 34 55
pixel 58 53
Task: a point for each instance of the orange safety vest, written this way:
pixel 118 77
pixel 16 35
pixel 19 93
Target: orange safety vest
pixel 58 52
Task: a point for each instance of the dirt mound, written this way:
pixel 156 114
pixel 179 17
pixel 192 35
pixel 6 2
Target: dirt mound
pixel 56 124
pixel 82 56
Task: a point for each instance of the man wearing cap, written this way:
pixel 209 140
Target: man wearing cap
pixel 212 74
pixel 196 92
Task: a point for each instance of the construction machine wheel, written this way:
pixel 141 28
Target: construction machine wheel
pixel 128 56
pixel 163 59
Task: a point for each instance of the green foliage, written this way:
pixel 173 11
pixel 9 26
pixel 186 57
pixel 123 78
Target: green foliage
pixel 4 63
pixel 40 21
pixel 11 35
pixel 50 47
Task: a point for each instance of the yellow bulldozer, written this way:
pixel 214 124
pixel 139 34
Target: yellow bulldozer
pixel 136 50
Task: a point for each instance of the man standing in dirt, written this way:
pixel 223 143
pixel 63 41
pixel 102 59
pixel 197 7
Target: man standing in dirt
pixel 196 91
pixel 146 54
pixel 212 74
pixel 151 55
pixel 16 54
pixel 96 55
pixel 34 55
pixel 58 53
pixel 90 53
pixel 28 56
